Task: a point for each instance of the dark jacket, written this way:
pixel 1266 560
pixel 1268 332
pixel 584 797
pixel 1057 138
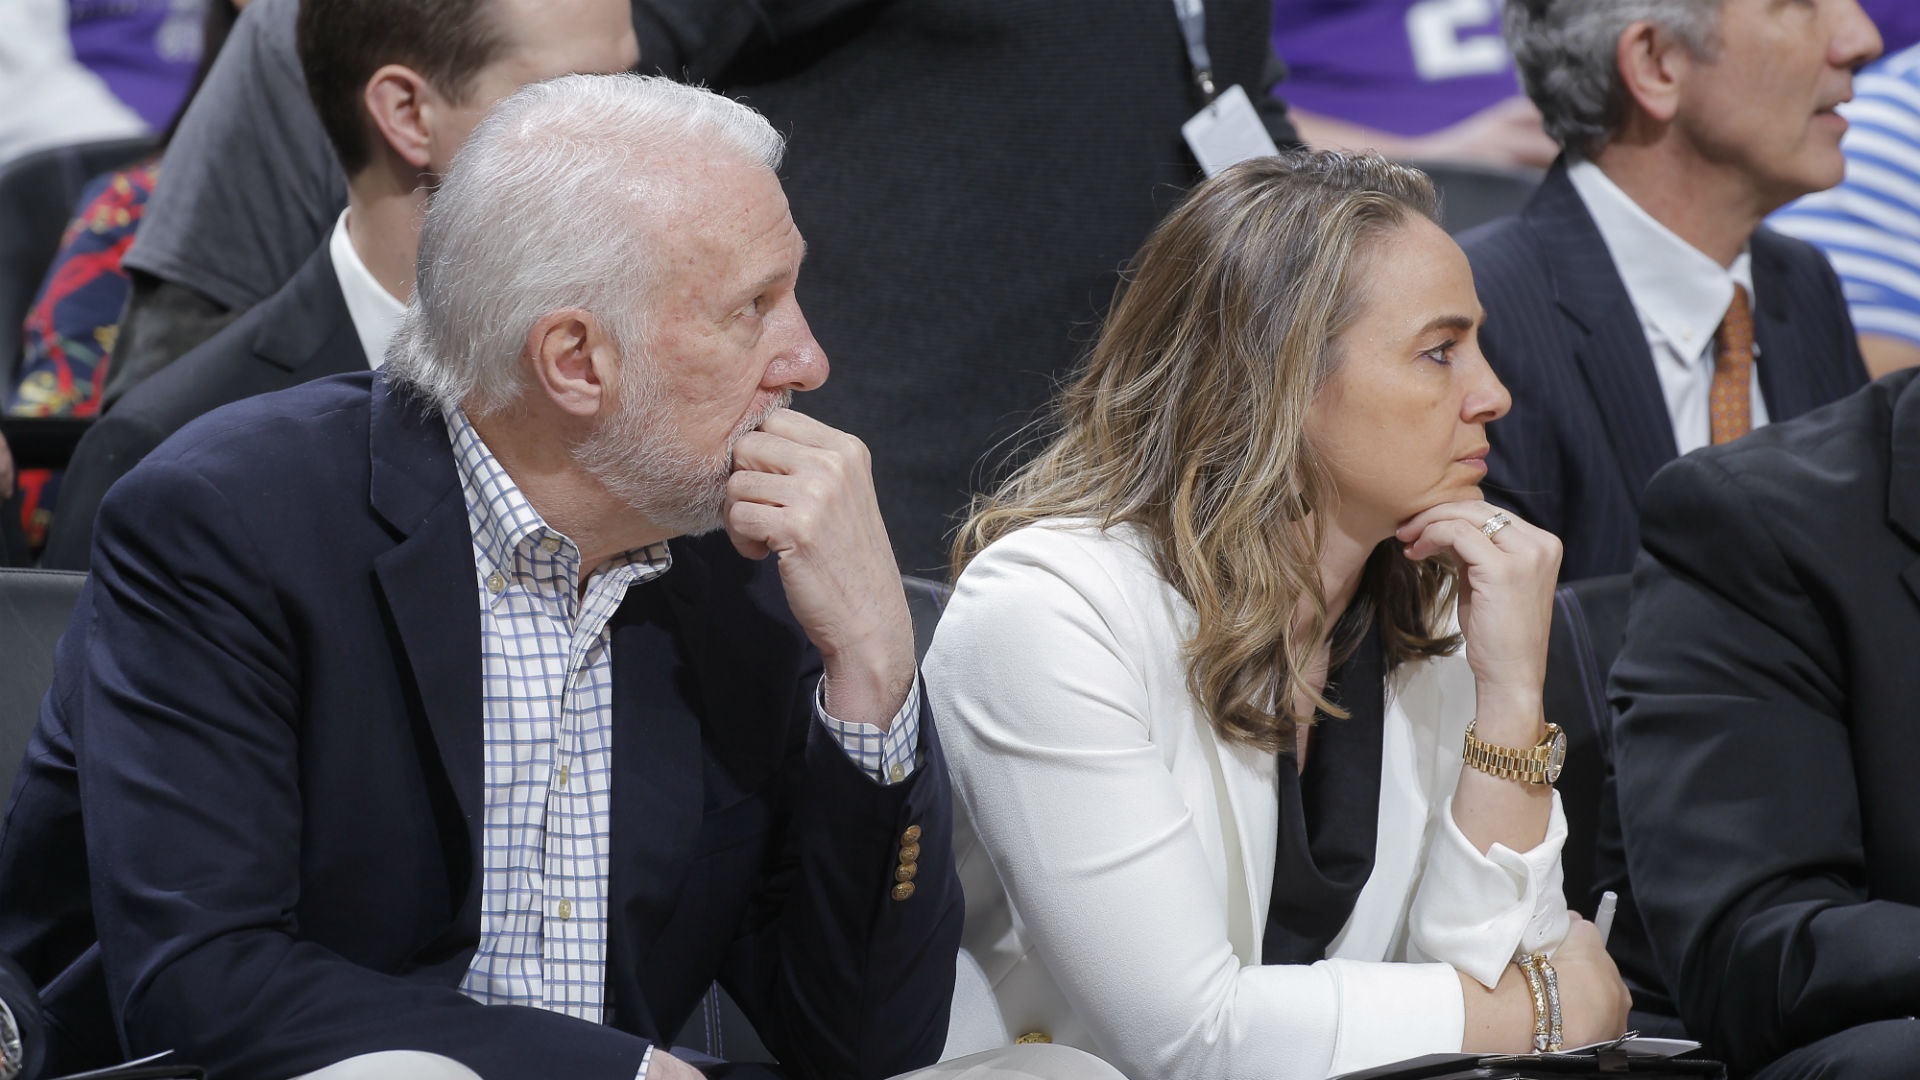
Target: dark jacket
pixel 1765 744
pixel 300 333
pixel 1589 424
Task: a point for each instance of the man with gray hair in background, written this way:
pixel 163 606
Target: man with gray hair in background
pixel 472 716
pixel 1635 308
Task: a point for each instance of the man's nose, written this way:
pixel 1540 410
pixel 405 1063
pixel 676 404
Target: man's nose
pixel 1856 41
pixel 801 364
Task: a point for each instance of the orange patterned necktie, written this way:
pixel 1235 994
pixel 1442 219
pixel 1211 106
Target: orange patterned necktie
pixel 1730 401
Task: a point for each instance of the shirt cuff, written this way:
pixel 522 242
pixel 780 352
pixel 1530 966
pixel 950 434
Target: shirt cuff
pixel 1476 912
pixel 890 756
pixel 646 1059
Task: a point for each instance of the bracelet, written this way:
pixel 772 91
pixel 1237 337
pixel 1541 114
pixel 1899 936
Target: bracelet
pixel 1544 985
pixel 1542 1015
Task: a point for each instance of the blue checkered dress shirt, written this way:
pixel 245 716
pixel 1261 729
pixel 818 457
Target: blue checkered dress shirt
pixel 546 689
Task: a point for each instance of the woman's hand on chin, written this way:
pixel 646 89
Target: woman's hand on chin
pixel 1506 605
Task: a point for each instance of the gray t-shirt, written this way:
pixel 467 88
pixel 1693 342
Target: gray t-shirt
pixel 250 185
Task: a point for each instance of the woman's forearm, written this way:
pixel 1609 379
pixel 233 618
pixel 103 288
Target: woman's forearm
pixel 1491 810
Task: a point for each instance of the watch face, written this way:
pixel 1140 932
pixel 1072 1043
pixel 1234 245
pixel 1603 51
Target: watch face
pixel 1556 755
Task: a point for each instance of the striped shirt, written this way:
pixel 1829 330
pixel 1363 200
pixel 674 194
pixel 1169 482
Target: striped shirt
pixel 546 679
pixel 1869 226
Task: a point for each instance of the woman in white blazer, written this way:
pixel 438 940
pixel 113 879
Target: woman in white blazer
pixel 1201 681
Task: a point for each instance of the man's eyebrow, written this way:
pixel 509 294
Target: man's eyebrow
pixel 773 278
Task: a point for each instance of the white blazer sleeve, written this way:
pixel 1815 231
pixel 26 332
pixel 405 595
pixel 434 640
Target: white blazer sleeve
pixel 1036 674
pixel 1477 912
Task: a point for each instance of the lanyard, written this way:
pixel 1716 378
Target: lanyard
pixel 1193 26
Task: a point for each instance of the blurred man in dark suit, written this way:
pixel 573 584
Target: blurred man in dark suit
pixel 1635 308
pixel 1766 742
pixel 397 84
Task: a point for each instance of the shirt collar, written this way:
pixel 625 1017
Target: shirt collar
pixel 1679 291
pixel 372 308
pixel 511 538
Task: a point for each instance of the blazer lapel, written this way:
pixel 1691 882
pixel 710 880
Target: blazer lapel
pixel 1246 775
pixel 1609 345
pixel 1903 475
pixel 1786 378
pixel 427 580
pixel 310 333
pixel 658 789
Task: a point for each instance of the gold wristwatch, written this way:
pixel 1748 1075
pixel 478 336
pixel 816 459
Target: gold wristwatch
pixel 1539 765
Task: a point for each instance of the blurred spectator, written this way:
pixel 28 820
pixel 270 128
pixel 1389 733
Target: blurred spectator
pixel 51 97
pixel 1869 226
pixel 396 110
pixel 70 328
pixel 1897 20
pixel 1634 307
pixel 145 50
pixel 1422 80
pixel 251 189
pixel 969 176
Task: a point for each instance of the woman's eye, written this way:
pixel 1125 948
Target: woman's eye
pixel 1441 354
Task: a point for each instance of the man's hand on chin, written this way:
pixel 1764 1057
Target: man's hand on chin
pixel 804 492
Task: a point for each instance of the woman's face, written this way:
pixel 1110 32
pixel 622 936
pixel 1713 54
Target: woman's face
pixel 1401 424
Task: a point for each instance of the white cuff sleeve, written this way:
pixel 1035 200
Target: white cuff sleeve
pixel 1477 912
pixel 1433 1018
pixel 888 756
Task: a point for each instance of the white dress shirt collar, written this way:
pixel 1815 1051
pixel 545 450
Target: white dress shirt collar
pixel 374 311
pixel 1679 290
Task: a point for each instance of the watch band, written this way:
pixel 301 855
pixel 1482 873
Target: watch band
pixel 1533 765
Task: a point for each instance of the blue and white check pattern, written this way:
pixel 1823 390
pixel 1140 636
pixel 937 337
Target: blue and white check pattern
pixel 546 690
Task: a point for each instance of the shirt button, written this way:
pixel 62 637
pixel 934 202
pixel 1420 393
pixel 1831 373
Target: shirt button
pixel 566 908
pixel 563 776
pixel 496 584
pixel 550 545
pixel 899 773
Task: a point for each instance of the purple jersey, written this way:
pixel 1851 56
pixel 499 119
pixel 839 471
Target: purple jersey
pixel 1405 66
pixel 145 50
pixel 1412 67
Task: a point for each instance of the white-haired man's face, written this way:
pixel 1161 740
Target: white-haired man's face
pixel 726 346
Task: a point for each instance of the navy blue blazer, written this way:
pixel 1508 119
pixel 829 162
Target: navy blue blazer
pixel 276 714
pixel 1589 425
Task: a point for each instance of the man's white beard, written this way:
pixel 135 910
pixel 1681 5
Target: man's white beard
pixel 636 454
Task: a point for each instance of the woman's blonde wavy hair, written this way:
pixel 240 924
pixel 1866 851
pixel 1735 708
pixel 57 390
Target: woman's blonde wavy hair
pixel 1188 419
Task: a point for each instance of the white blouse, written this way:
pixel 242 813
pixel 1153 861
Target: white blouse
pixel 1118 856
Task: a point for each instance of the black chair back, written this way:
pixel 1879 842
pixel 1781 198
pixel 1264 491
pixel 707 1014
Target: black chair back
pixel 35 607
pixel 1589 618
pixel 37 197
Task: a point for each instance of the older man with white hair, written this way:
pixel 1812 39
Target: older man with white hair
pixel 475 715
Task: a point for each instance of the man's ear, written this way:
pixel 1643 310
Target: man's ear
pixel 1653 64
pixel 397 99
pixel 573 360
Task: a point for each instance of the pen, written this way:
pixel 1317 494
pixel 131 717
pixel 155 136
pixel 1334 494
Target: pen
pixel 1603 915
